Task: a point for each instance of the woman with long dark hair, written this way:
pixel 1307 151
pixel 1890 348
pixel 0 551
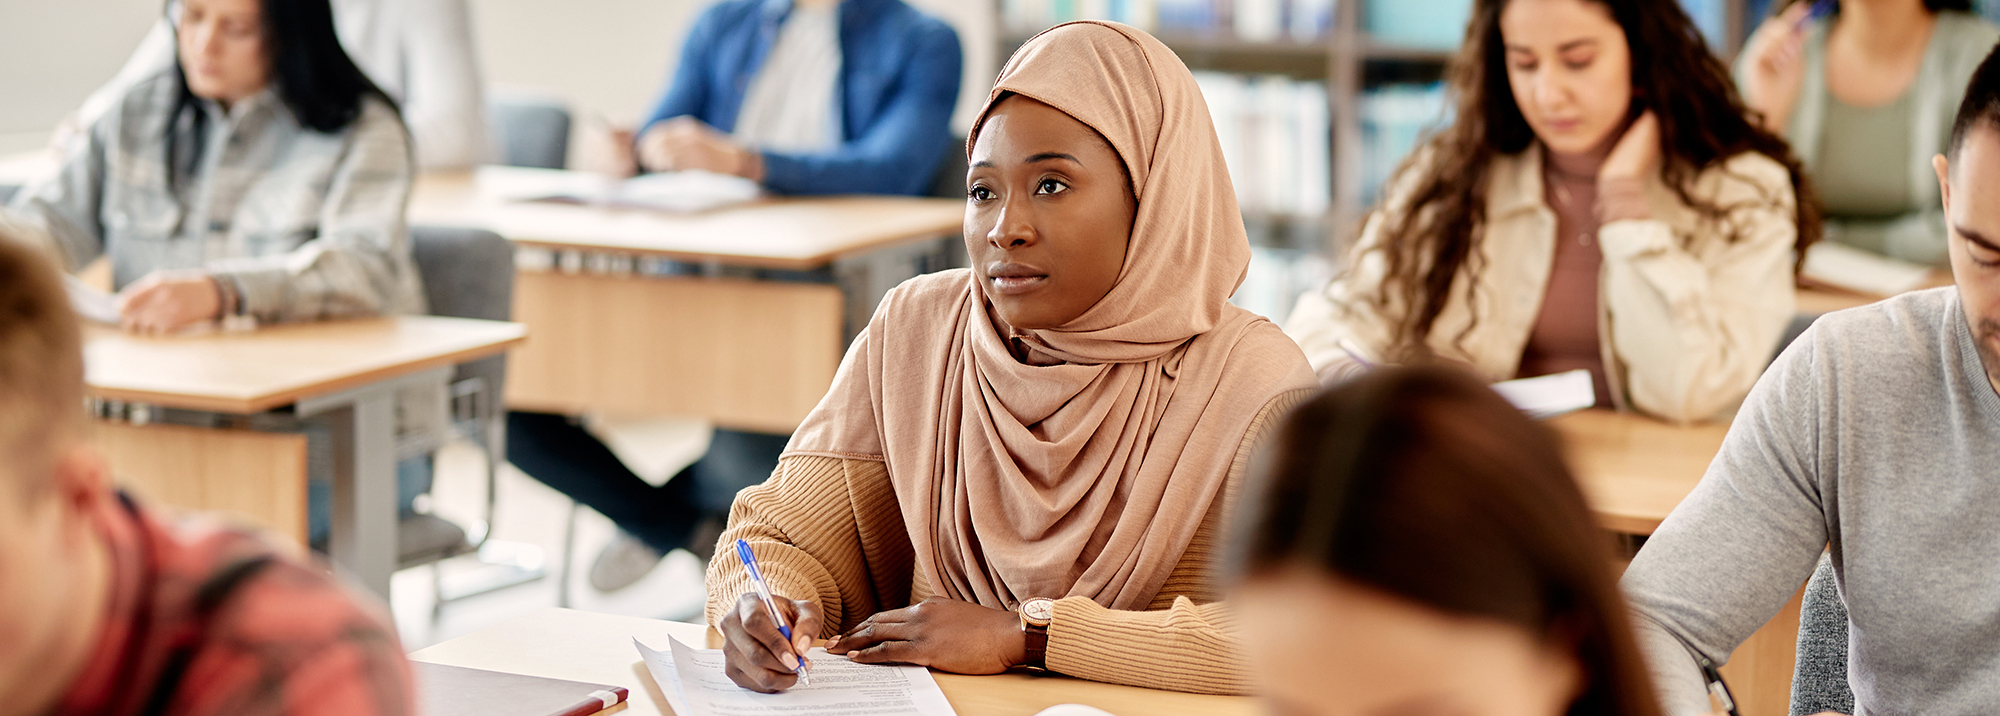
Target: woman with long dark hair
pixel 1600 202
pixel 1865 92
pixel 1417 545
pixel 419 52
pixel 261 175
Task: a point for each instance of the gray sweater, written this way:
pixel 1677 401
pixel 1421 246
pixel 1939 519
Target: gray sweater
pixel 1877 434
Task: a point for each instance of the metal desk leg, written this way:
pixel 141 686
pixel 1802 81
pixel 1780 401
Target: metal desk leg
pixel 363 423
pixel 363 538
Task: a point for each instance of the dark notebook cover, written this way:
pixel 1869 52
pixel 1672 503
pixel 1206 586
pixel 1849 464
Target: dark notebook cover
pixel 457 691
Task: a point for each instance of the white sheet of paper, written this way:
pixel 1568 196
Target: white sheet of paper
pixel 90 303
pixel 1856 270
pixel 675 192
pixel 1073 710
pixel 683 192
pixel 1551 395
pixel 696 685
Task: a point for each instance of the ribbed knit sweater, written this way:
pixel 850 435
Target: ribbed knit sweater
pixel 830 529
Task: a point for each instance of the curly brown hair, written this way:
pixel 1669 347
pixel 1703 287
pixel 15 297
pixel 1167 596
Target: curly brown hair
pixel 1426 245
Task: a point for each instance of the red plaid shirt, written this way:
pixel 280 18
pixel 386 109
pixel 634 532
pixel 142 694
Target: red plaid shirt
pixel 207 620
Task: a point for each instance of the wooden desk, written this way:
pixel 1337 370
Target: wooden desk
pixel 778 233
pixel 746 354
pixel 258 478
pixel 1635 470
pixel 1820 299
pixel 280 365
pixel 597 648
pixel 345 373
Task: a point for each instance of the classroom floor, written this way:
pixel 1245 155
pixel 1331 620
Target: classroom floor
pixel 529 512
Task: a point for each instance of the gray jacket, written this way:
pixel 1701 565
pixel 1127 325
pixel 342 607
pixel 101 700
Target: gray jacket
pixel 307 225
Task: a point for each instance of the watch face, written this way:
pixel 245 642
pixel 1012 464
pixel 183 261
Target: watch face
pixel 1041 610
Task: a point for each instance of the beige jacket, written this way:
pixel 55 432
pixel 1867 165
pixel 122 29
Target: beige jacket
pixel 1690 310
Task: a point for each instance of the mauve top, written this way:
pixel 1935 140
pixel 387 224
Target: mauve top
pixel 1565 336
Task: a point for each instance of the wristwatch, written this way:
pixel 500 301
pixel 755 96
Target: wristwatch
pixel 1035 617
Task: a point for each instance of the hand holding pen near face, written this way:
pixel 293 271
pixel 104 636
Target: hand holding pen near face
pixel 1776 68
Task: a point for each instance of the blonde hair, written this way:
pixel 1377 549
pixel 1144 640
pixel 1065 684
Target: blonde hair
pixel 41 355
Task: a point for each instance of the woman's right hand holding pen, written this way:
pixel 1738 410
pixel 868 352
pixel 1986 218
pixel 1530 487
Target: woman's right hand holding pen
pixel 1775 66
pixel 756 655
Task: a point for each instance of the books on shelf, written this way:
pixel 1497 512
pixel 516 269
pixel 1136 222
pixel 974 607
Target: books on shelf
pixel 1394 118
pixel 1277 277
pixel 1275 134
pixel 1425 24
pixel 1255 21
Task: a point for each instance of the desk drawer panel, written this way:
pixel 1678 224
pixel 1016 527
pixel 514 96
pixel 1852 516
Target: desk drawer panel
pixel 752 355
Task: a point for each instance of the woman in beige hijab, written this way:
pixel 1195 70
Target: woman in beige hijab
pixel 1025 464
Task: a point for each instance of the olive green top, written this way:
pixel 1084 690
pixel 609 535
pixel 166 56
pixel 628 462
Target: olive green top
pixel 1862 153
pixel 1959 41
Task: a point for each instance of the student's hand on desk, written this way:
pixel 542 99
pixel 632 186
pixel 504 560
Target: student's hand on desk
pixel 685 143
pixel 944 634
pixel 607 149
pixel 169 301
pixel 754 652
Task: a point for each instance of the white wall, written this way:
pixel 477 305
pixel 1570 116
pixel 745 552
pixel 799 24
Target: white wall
pixel 54 52
pixel 608 57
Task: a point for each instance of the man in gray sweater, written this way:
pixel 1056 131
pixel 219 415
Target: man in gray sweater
pixel 1877 435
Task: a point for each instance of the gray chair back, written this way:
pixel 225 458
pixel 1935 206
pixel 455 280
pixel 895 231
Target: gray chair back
pixel 949 183
pixel 529 132
pixel 468 273
pixel 1819 677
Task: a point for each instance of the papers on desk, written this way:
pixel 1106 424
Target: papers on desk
pixel 90 303
pixel 677 192
pixel 1850 268
pixel 446 690
pixel 1551 395
pixel 695 685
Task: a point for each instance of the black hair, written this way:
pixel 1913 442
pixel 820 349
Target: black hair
pixel 310 71
pixel 1981 104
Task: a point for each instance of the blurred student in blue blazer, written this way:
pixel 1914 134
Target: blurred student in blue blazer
pixel 803 97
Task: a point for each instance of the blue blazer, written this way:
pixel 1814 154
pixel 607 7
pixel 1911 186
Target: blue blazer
pixel 899 78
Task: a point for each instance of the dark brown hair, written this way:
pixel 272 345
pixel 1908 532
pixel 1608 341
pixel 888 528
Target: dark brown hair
pixel 1981 106
pixel 1434 228
pixel 1424 484
pixel 41 354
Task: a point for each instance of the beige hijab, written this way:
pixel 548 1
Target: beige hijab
pixel 1087 470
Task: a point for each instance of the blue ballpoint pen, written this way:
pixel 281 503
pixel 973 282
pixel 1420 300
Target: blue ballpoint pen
pixel 764 593
pixel 1355 353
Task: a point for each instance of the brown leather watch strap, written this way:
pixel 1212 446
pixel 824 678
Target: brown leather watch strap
pixel 1038 645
